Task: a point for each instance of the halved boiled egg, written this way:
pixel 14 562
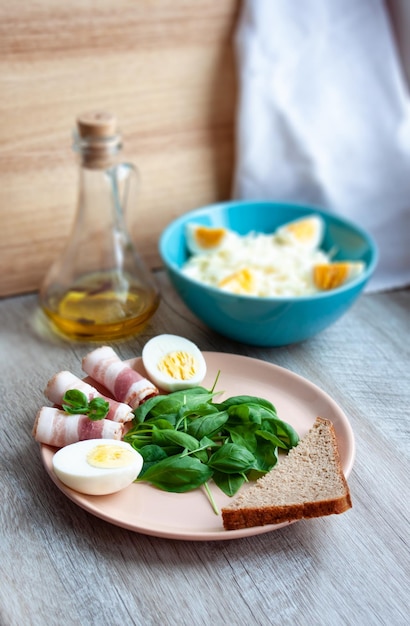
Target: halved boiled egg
pixel 306 232
pixel 173 362
pixel 97 466
pixel 331 275
pixel 202 239
pixel 240 282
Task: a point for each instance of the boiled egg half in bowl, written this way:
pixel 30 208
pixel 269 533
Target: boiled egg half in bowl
pixel 97 466
pixel 204 239
pixel 306 232
pixel 173 362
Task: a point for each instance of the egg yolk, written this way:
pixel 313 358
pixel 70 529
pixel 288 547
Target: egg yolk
pixel 331 275
pixel 179 365
pixel 209 237
pixel 109 456
pixel 303 231
pixel 241 282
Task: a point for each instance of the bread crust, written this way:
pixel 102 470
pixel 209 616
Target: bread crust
pixel 244 516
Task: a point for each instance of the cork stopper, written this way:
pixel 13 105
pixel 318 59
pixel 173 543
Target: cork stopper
pixel 97 124
pixel 98 139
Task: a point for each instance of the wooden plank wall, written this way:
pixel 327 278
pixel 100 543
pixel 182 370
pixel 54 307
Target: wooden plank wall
pixel 164 67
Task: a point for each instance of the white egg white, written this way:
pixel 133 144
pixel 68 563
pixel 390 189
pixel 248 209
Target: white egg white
pixel 72 468
pixel 161 347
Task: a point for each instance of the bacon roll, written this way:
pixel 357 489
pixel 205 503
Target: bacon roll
pixel 57 428
pixel 64 381
pixel 126 385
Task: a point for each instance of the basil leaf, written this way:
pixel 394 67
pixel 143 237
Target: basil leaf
pixel 75 402
pixel 266 456
pixel 177 474
pixel 202 455
pixel 144 409
pixel 205 445
pixel 162 424
pixel 245 437
pixel 151 455
pixel 287 433
pixel 275 441
pixel 98 409
pixel 228 483
pixel 169 405
pixel 208 425
pixel 174 437
pixel 231 458
pixel 247 400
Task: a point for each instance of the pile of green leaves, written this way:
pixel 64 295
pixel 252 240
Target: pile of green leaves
pixel 186 438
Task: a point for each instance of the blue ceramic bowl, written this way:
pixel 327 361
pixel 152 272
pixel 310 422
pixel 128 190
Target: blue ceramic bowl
pixel 273 321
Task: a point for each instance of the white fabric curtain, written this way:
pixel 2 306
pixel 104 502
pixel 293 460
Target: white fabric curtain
pixel 324 117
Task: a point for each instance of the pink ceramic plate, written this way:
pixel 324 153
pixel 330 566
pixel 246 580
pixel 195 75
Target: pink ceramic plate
pixel 189 516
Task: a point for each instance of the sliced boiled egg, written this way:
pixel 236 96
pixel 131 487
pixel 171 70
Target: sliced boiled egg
pixel 240 282
pixel 331 275
pixel 97 466
pixel 173 362
pixel 202 239
pixel 306 232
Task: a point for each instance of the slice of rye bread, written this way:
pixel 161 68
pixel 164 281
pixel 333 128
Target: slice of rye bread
pixel 308 482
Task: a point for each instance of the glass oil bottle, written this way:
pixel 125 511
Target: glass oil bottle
pixel 100 289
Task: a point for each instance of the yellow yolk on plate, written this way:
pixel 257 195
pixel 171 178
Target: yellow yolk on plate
pixel 109 455
pixel 173 362
pixel 332 275
pixel 97 466
pixel 179 365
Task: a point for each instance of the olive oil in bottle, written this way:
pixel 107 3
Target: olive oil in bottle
pixel 99 288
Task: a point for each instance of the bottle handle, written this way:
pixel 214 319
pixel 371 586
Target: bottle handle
pixel 125 183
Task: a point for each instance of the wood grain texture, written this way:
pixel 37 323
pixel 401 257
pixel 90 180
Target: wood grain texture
pixel 61 566
pixel 165 68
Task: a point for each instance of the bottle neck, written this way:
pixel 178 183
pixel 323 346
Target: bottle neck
pixel 97 153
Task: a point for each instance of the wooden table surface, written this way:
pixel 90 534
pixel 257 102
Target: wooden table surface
pixel 61 565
